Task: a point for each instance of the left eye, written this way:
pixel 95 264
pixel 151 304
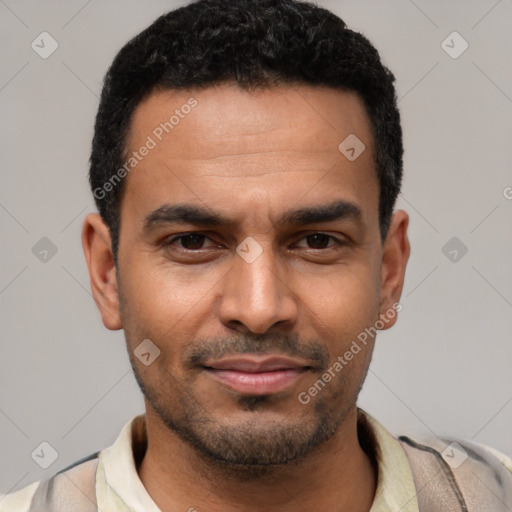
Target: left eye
pixel 194 241
pixel 320 239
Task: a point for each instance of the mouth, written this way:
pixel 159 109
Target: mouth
pixel 257 374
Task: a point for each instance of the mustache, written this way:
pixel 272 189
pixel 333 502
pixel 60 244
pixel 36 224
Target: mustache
pixel 202 350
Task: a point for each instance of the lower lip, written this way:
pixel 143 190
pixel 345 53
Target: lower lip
pixel 261 383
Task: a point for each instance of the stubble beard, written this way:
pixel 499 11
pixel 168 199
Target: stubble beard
pixel 247 451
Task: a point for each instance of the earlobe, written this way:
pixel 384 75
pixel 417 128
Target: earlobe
pixel 395 255
pixel 97 246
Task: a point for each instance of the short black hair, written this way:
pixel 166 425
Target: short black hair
pixel 256 44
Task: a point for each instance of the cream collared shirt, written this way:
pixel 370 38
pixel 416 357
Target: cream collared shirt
pixel 119 488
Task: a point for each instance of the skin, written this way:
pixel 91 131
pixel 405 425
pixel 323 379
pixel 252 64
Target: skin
pixel 251 156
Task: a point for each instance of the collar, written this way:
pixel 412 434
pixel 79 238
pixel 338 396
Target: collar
pixel 395 484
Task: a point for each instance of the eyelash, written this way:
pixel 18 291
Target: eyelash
pixel 169 242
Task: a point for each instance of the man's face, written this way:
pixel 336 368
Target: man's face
pixel 250 314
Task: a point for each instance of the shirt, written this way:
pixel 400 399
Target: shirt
pixel 119 488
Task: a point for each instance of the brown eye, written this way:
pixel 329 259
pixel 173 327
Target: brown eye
pixel 187 241
pixel 192 242
pixel 318 239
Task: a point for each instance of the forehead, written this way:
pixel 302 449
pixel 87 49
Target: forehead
pixel 234 150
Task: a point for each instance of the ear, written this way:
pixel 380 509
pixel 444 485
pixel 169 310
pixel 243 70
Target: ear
pixel 395 255
pixel 97 245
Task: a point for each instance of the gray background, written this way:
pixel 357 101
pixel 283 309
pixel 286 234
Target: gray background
pixel 444 367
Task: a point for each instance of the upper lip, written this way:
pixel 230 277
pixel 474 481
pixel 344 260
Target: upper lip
pixel 254 364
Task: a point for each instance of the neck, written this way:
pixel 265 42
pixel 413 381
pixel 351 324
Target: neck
pixel 337 476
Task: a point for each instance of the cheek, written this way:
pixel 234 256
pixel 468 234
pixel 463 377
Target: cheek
pixel 165 305
pixel 160 295
pixel 344 302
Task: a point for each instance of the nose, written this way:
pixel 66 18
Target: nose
pixel 258 294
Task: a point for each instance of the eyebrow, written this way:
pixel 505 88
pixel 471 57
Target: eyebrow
pixel 186 213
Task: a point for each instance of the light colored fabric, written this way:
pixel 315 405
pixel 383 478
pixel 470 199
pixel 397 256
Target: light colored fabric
pixel 18 501
pixel 506 461
pixel 119 488
pixel 395 484
pixel 72 490
pixel 457 475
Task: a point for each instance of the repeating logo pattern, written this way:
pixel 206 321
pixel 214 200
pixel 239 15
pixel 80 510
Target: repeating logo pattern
pixel 50 83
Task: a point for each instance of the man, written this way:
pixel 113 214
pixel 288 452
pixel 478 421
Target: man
pixel 246 161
